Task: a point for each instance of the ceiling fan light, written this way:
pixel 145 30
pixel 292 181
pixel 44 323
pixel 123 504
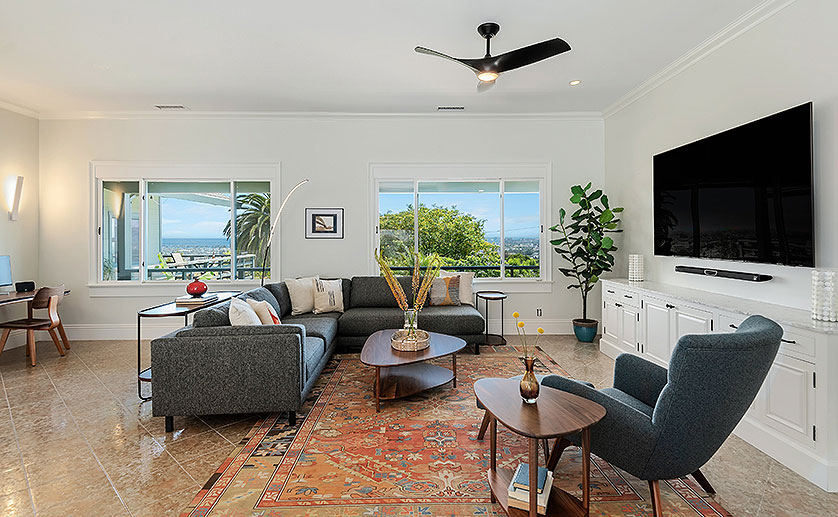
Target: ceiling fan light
pixel 487 77
pixel 575 82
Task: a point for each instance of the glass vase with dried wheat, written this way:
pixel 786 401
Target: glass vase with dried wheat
pixel 410 338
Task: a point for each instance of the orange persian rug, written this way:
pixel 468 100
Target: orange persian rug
pixel 419 456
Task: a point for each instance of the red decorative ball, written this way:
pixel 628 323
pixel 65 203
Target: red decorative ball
pixel 196 288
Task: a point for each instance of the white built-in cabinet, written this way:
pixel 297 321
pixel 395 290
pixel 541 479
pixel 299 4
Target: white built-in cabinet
pixel 793 418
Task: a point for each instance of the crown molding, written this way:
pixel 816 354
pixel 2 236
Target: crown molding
pixel 279 115
pixel 8 106
pixel 738 27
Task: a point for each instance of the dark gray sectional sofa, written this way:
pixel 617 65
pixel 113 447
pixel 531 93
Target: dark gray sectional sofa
pixel 211 367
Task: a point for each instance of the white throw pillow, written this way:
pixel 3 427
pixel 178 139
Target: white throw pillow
pixel 301 291
pixel 241 313
pixel 466 288
pixel 267 314
pixel 328 296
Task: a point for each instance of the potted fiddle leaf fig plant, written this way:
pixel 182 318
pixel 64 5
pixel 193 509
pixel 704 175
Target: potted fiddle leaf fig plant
pixel 583 242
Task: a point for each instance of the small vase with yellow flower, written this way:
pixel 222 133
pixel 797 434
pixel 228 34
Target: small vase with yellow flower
pixel 529 382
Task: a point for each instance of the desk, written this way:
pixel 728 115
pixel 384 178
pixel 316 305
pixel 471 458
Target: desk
pixel 12 298
pixel 164 311
pixel 8 299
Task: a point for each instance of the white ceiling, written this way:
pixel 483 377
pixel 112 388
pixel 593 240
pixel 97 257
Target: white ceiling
pixel 336 56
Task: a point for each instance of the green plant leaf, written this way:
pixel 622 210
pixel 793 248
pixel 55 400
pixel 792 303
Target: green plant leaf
pixel 607 243
pixel 577 190
pixel 595 194
pixel 606 216
pixel 604 200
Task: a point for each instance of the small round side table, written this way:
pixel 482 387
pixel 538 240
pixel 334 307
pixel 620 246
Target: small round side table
pixel 490 339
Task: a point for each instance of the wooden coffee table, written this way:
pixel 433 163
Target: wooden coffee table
pixel 555 414
pixel 401 374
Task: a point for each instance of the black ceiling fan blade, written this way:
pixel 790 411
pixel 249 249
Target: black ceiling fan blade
pixel 427 51
pixel 526 55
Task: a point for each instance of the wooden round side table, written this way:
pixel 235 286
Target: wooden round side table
pixel 490 339
pixel 554 415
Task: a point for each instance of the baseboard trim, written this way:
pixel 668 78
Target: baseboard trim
pixel 551 327
pixel 793 455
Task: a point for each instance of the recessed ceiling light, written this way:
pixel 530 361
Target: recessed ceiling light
pixel 575 82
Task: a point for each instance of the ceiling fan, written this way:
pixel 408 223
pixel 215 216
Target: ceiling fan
pixel 489 67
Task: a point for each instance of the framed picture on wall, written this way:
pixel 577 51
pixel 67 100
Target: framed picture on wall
pixel 324 223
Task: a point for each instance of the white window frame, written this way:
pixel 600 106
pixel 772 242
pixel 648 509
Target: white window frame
pixel 144 172
pixel 492 171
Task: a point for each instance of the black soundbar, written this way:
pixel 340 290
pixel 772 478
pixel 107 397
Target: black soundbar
pixel 723 273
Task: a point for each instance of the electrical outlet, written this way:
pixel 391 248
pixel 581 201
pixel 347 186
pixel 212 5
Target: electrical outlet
pixel 538 312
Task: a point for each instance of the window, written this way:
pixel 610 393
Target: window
pixel 492 227
pixel 184 229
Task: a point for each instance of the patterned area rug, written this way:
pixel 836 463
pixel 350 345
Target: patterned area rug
pixel 419 456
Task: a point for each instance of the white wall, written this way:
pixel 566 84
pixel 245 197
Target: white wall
pixel 784 61
pixel 335 153
pixel 19 239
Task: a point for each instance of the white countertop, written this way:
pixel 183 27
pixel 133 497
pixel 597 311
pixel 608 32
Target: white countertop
pixel 786 315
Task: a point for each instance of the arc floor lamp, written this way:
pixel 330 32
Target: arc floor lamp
pixel 273 226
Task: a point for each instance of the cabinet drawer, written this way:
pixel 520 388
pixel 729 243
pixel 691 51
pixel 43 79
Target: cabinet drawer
pixel 797 342
pixel 629 297
pixel 609 291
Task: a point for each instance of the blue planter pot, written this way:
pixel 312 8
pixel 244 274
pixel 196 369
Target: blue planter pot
pixel 585 330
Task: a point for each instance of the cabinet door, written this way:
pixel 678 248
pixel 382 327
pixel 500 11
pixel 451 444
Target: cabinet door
pixel 611 321
pixel 630 329
pixel 687 320
pixel 788 399
pixel 656 330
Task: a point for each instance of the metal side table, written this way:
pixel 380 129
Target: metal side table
pixel 490 339
pixel 164 311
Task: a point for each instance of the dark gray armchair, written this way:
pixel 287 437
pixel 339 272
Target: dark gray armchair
pixel 666 424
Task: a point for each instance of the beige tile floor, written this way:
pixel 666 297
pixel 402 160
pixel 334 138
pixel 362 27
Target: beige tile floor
pixel 79 442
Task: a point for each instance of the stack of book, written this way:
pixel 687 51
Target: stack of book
pixel 195 301
pixel 519 488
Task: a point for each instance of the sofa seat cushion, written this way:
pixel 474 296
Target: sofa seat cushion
pixel 363 321
pixel 314 350
pixel 628 400
pixel 456 320
pixel 324 326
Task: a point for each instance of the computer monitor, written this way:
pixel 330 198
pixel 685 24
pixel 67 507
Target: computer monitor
pixel 5 271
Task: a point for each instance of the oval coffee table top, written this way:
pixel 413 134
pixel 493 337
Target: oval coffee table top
pixel 555 412
pixel 378 352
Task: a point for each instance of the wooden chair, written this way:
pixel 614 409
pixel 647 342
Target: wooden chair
pixel 46 298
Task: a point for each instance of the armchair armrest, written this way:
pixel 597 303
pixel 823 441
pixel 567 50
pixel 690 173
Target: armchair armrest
pixel 639 378
pixel 625 437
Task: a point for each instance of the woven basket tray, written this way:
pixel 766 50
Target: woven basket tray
pixel 399 341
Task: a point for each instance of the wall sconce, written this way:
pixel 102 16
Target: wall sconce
pixel 15 201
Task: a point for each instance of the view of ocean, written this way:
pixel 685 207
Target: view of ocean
pixel 196 246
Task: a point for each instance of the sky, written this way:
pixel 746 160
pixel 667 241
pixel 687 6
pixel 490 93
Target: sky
pixel 189 219
pixel 520 211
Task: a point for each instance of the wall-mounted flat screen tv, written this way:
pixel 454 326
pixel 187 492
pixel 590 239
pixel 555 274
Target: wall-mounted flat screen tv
pixel 744 194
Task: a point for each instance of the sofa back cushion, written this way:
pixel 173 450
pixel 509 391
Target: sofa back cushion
pixel 280 292
pixel 219 315
pixel 215 316
pixel 373 291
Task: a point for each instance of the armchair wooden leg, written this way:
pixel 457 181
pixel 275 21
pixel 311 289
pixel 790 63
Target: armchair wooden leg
pixel 699 477
pixel 4 338
pixel 483 425
pixel 292 418
pixel 57 343
pixel 655 489
pixel 170 424
pixel 556 453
